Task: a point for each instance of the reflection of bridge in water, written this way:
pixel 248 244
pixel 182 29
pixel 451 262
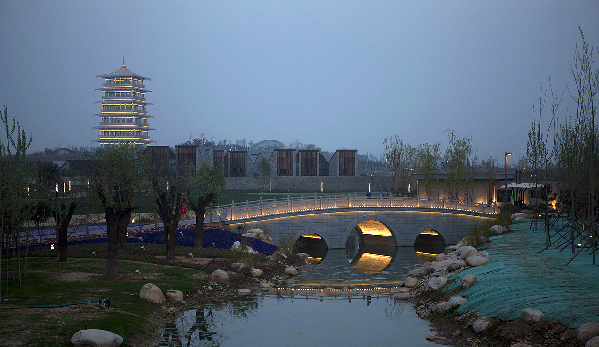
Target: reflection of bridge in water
pixel 339 271
pixel 330 293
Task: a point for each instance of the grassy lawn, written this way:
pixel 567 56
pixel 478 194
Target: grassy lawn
pixel 82 278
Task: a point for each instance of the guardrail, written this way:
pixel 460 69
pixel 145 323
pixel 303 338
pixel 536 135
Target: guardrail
pixel 235 211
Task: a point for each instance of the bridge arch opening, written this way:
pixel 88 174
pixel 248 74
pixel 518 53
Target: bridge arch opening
pixel 370 247
pixel 314 245
pixel 428 244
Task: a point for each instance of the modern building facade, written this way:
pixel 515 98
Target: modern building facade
pixel 124 117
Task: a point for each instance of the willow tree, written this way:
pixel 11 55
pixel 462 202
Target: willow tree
pixel 400 157
pixel 460 167
pixel 209 183
pixel 116 174
pixel 169 183
pixel 428 157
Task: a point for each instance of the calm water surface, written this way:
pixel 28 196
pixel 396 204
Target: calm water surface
pixel 317 319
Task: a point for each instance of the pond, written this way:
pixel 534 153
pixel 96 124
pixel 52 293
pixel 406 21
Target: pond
pixel 343 299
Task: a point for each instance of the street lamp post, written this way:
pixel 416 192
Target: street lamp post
pixel 505 193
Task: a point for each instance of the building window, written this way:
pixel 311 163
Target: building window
pixel 309 162
pixel 237 164
pixel 347 163
pixel 285 163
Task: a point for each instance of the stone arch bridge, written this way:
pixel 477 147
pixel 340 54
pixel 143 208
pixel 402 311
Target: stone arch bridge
pixel 335 217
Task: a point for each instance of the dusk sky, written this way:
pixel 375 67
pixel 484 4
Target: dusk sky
pixel 337 74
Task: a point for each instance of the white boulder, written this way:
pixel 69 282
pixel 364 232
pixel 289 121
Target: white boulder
pixel 468 281
pixel 481 324
pixel 96 337
pixel 291 271
pixel 498 229
pixel 456 301
pixel 436 283
pixel 411 282
pixel 456 265
pixel 219 276
pixel 466 252
pixel 438 265
pixel 531 315
pixel 476 260
pixel 425 271
pixel 150 292
pixel 594 342
pixel 256 272
pixel 588 331
pixel 175 295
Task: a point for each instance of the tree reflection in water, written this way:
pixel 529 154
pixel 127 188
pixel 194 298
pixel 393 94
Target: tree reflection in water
pixel 195 326
pixel 199 327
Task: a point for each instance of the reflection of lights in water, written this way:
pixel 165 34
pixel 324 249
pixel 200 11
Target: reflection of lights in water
pixel 372 227
pixel 312 236
pixel 370 264
pixel 426 256
pixel 313 260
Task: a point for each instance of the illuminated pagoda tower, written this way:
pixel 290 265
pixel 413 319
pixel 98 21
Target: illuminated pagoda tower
pixel 123 118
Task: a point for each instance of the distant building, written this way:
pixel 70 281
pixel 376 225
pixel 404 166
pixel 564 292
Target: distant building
pixel 123 118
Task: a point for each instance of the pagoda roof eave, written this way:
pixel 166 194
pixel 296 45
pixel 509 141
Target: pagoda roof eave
pixel 126 88
pixel 123 72
pixel 122 128
pixel 123 115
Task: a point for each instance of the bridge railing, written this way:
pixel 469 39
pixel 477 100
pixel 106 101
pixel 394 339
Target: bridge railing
pixel 275 206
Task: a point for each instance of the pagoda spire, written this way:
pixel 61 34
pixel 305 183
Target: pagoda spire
pixel 124 61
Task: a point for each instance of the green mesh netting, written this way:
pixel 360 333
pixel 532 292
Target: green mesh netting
pixel 519 276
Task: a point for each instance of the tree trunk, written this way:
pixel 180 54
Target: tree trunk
pixel 111 234
pixel 198 239
pixel 200 211
pixel 62 241
pixel 62 227
pixel 170 232
pixel 122 231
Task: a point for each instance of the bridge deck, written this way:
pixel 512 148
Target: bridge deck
pixel 307 203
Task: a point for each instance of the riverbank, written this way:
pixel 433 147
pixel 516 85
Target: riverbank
pixel 63 298
pixel 501 296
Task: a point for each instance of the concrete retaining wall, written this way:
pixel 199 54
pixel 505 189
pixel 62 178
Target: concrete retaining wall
pixel 307 183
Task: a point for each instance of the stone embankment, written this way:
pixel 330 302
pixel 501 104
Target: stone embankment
pixel 425 288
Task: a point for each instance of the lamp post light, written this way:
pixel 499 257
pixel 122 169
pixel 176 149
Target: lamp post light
pixel 505 193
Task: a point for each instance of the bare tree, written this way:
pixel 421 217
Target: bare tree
pixel 14 180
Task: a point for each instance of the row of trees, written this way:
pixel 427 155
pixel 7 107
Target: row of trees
pixel 457 165
pixel 116 175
